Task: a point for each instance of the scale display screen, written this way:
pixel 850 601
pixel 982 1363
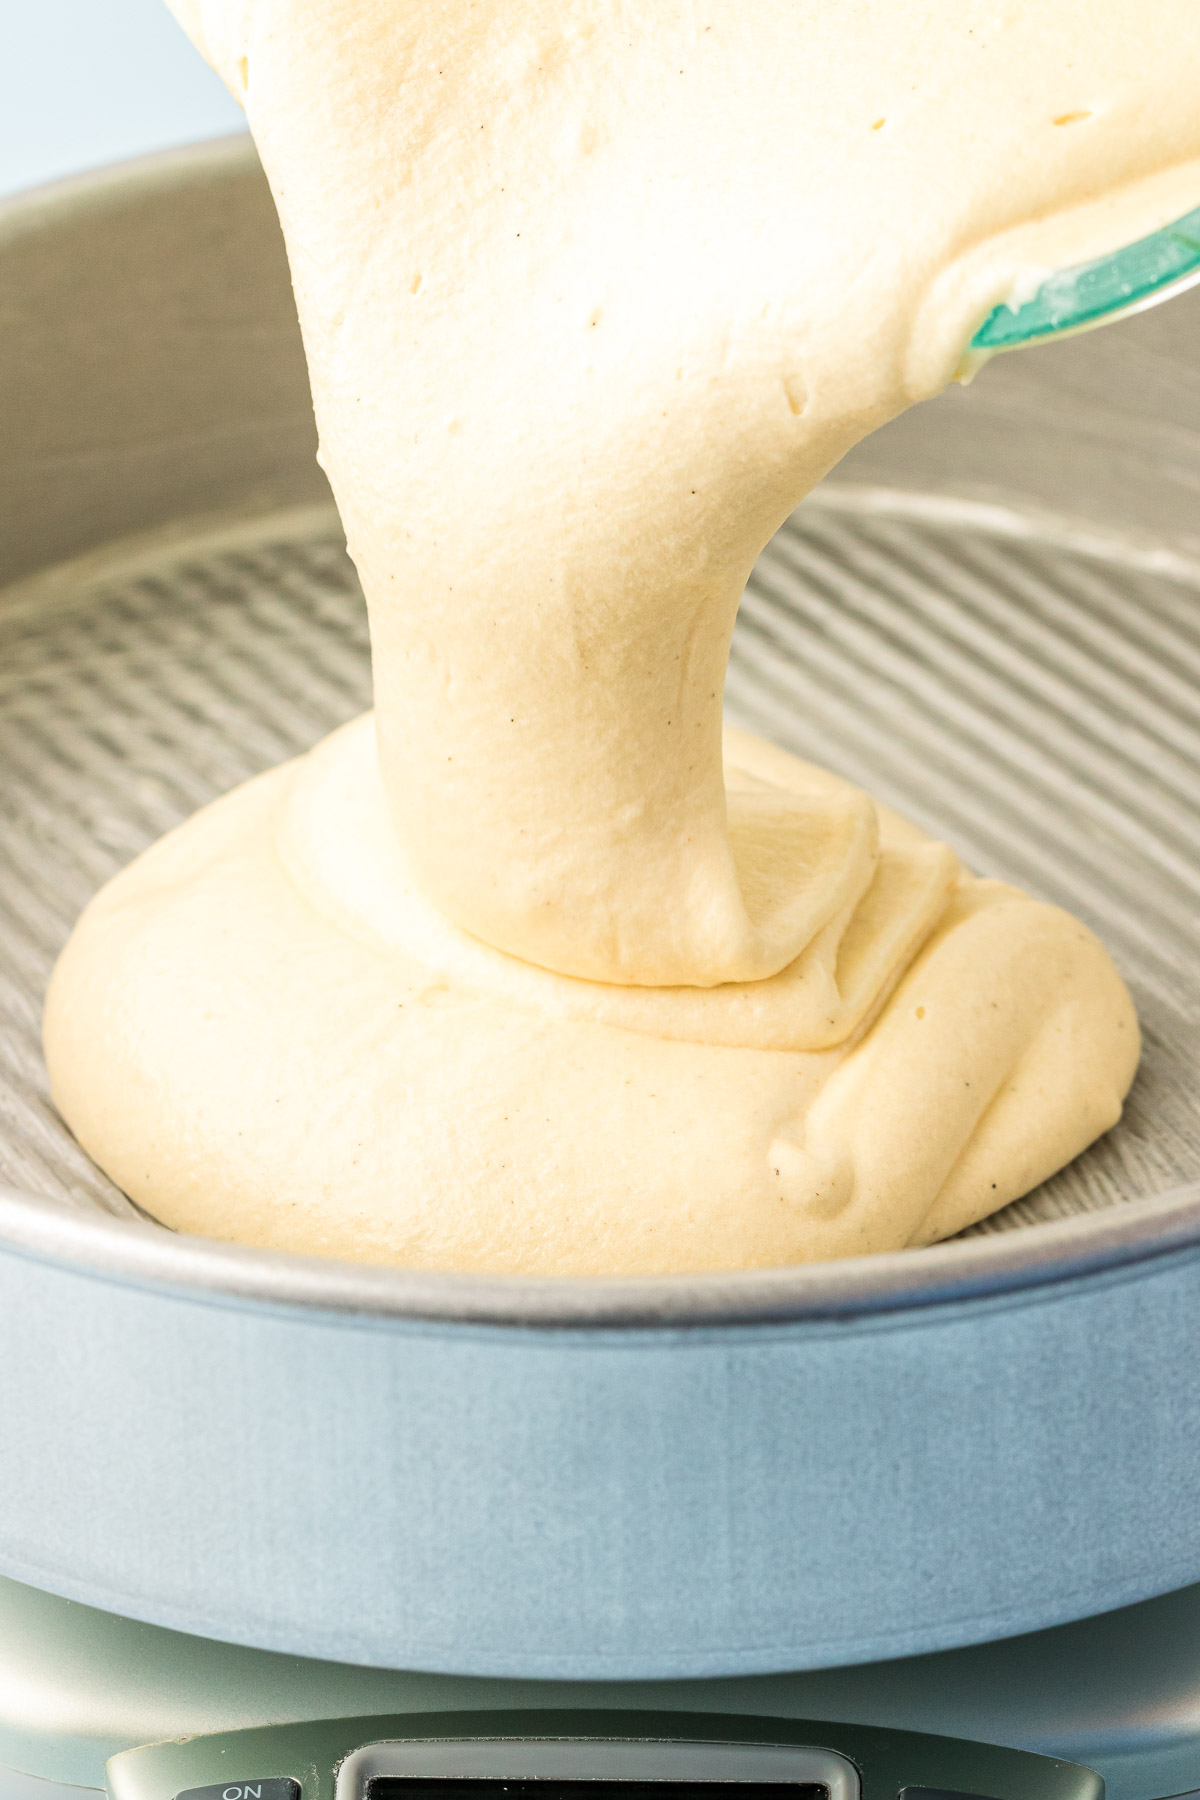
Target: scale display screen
pixel 421 1787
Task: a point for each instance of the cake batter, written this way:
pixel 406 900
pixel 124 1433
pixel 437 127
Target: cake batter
pixel 531 971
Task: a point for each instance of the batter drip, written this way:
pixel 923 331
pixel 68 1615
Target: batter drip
pixel 531 972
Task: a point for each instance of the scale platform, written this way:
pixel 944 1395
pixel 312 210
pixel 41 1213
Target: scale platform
pixel 90 1701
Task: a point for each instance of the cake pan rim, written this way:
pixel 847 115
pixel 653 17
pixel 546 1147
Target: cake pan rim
pixel 146 1255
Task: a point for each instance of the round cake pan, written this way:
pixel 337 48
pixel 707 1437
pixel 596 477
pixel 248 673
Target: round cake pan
pixel 989 616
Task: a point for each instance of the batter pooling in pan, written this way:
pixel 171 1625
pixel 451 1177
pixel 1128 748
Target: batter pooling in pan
pixel 531 971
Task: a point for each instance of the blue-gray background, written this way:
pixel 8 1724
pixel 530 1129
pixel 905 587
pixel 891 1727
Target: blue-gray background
pixel 84 82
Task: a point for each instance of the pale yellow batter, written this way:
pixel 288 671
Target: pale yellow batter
pixel 592 293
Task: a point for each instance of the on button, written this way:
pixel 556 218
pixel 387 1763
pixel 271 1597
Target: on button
pixel 270 1787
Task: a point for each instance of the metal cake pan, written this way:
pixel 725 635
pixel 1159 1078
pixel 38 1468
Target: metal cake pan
pixel 989 615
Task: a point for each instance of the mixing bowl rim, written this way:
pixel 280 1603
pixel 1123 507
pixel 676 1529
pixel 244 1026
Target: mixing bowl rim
pixel 144 1254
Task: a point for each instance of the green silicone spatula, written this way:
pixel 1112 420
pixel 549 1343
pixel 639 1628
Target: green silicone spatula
pixel 1094 293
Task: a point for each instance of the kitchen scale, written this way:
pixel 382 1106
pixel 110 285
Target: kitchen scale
pixel 267 1484
pixel 91 1702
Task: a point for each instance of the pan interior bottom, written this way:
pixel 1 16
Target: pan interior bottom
pixel 1029 694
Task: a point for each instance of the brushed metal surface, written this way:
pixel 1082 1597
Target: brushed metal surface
pixel 150 365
